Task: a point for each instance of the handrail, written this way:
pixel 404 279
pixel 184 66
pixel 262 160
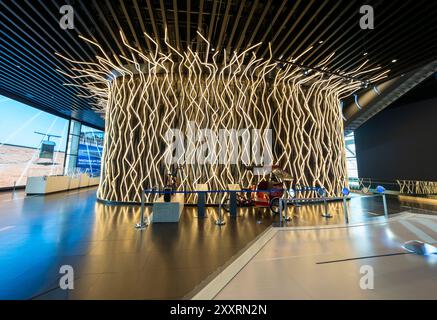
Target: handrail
pixel 152 191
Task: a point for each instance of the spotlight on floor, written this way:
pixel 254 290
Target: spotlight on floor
pixel 420 248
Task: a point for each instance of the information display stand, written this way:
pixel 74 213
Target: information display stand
pixel 50 184
pixel 233 199
pixel 168 211
pixel 201 200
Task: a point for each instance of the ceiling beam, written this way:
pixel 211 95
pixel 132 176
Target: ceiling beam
pixel 50 26
pixel 43 36
pixel 351 46
pixel 236 22
pixel 152 19
pixel 281 28
pixel 211 22
pixel 302 30
pixel 176 23
pixel 328 29
pixel 291 29
pixel 199 26
pixel 188 22
pixel 96 25
pixel 393 92
pixel 143 27
pixel 386 39
pixel 164 19
pixel 108 26
pixel 271 24
pixel 260 21
pixel 69 34
pixel 131 27
pixel 224 24
pixel 246 25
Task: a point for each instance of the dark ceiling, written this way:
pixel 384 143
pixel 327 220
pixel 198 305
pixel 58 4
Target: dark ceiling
pixel 424 91
pixel 30 34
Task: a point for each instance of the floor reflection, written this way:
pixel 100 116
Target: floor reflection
pixel 113 260
pixel 314 261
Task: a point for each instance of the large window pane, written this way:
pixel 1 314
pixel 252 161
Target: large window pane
pixel 351 160
pixel 32 143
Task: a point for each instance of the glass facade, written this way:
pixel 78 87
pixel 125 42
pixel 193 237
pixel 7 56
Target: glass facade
pixel 90 150
pixel 72 148
pixel 32 143
pixel 351 160
pixel 37 143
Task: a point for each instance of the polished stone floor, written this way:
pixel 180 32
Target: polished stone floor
pixel 113 260
pixel 365 261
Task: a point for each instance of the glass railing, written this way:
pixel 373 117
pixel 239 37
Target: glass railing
pixel 407 187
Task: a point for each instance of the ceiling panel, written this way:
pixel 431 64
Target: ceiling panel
pixel 405 32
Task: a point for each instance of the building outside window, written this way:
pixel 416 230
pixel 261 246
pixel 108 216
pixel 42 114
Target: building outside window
pixel 351 160
pixel 32 143
pixel 37 143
